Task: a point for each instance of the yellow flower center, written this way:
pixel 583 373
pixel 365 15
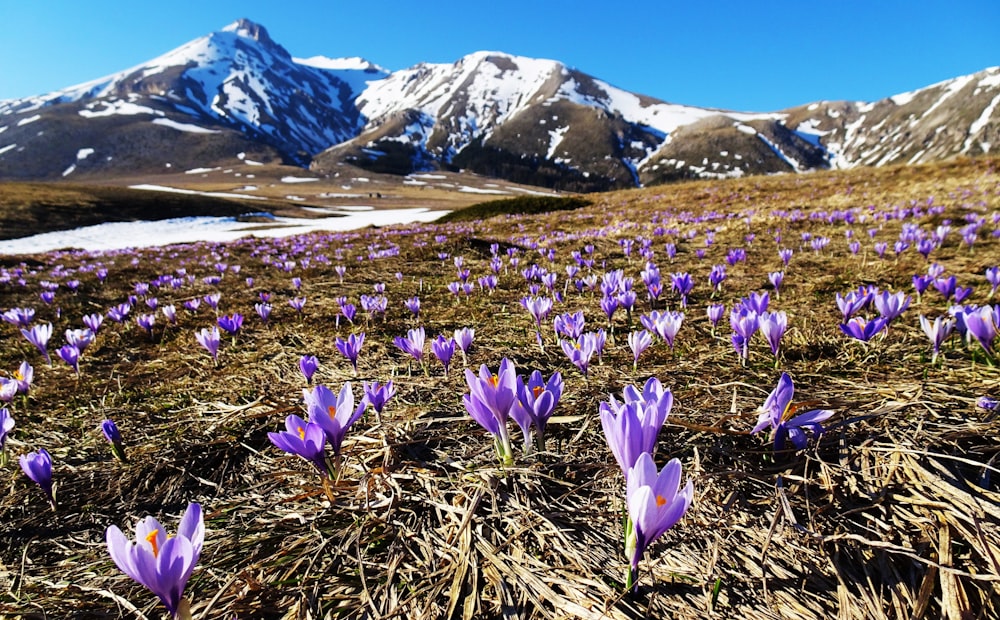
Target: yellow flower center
pixel 18 376
pixel 302 433
pixel 151 539
pixel 494 381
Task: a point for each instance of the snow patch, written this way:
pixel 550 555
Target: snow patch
pixel 290 179
pixel 555 137
pixel 83 154
pixel 4 149
pixel 30 119
pixel 110 108
pixel 178 190
pixel 188 127
pixel 478 190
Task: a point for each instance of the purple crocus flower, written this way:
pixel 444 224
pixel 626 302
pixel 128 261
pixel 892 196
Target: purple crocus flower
pixel 21 317
pixel 993 277
pixel 656 502
pixel 351 348
pixel 776 413
pixel 638 341
pixel 773 326
pixel 6 426
pixel 305 439
pixel 569 325
pixel 489 402
pixel 444 350
pixel 213 300
pixel 378 395
pixel 980 322
pixel 161 563
pixel 987 403
pixel 631 426
pixel 23 376
pixel 170 312
pixel 891 305
pixel 297 303
pixel 38 467
pixel 308 364
pixel 413 343
pixel 776 278
pixel 580 351
pixel 120 312
pixel 937 332
pixel 861 330
pixel 192 305
pixel 413 305
pixel 263 311
pixel 71 355
pixel 538 307
pixel 335 414
pixel 146 322
pixel 209 338
pixel 463 340
pixel 39 336
pixel 110 431
pixel 231 323
pixel 536 401
pixel 80 338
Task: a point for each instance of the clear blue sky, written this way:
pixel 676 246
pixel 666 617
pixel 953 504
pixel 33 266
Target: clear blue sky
pixel 754 56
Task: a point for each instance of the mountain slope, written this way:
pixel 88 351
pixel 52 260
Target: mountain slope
pixel 236 95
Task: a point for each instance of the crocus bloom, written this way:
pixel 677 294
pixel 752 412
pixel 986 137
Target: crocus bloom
pixel 773 326
pixel 231 323
pixel 631 426
pixel 861 330
pixel 21 317
pixel 114 437
pixel 39 336
pixel 489 402
pixel 80 338
pixel 334 414
pixel 209 338
pixel 146 322
pixel 937 332
pixel 987 403
pixel 351 348
pixel 536 401
pixel 305 439
pixel 980 323
pixel 378 395
pixel 263 311
pixel 638 341
pixel 297 303
pixel 891 305
pixel 655 504
pixel 38 467
pixel 413 343
pixel 6 426
pixel 444 350
pixel 163 564
pixel 308 364
pixel 580 351
pixel 413 305
pixel 463 340
pixel 776 413
pixel 24 375
pixel 71 355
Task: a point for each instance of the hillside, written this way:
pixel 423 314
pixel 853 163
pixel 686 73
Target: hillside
pixel 889 509
pixel 236 96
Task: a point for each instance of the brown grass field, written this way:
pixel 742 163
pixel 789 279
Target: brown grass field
pixel 893 513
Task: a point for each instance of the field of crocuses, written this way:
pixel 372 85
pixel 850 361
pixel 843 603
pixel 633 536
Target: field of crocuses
pixel 767 397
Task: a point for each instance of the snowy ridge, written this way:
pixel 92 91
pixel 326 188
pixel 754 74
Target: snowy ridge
pixel 534 120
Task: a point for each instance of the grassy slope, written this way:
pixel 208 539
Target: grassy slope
pixel 894 514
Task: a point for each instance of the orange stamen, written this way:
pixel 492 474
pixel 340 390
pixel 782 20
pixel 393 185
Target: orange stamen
pixel 660 501
pixel 494 380
pixel 151 539
pixel 537 390
pixel 302 433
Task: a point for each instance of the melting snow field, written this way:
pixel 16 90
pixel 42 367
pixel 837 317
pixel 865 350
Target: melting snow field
pixel 121 235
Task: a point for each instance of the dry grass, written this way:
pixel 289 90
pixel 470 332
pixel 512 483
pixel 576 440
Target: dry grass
pixel 894 514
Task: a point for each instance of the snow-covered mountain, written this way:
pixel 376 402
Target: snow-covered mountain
pixel 237 95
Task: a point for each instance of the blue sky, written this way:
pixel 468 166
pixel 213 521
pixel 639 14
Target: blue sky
pixel 753 56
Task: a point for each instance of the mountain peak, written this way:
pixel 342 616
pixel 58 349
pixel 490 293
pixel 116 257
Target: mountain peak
pixel 250 29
